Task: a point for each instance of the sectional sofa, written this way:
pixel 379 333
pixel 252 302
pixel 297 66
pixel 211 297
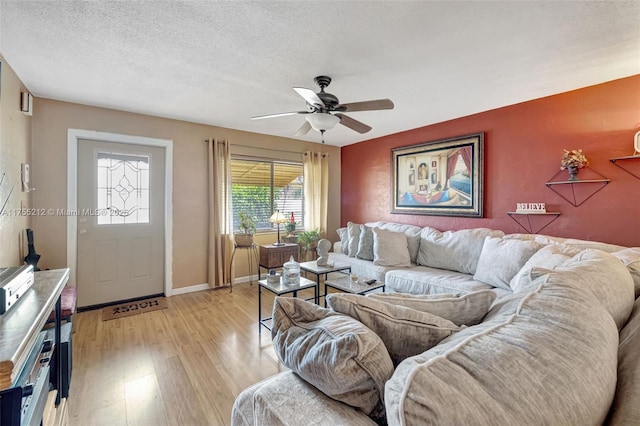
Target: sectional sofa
pixel 479 328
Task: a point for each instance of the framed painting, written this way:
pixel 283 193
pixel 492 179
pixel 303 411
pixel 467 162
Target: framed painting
pixel 442 178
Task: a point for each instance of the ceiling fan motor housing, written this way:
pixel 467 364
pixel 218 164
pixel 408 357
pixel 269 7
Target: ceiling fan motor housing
pixel 330 100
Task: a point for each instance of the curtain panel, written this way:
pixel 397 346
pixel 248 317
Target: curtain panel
pixel 220 248
pixel 316 189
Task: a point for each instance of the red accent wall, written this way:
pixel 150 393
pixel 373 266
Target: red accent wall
pixel 523 146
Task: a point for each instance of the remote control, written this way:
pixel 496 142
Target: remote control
pixel 370 281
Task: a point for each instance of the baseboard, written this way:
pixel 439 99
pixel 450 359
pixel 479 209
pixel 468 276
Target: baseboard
pixel 190 289
pixel 247 279
pixel 205 286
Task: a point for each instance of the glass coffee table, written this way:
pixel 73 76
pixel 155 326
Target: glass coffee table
pixel 280 289
pixel 345 284
pixel 318 270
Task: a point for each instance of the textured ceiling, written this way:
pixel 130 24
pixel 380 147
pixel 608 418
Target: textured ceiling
pixel 222 62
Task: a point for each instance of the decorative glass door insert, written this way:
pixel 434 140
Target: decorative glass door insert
pixel 123 188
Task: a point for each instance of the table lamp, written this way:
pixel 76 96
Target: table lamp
pixel 278 218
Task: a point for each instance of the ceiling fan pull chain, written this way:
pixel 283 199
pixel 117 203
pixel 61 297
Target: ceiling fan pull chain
pixel 322 135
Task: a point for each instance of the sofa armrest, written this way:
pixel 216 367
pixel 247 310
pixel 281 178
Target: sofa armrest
pixel 286 399
pixel 625 409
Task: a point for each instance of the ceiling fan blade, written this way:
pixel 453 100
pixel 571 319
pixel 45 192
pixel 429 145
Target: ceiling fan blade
pixel 304 129
pixel 366 105
pixel 356 125
pixel 282 114
pixel 309 96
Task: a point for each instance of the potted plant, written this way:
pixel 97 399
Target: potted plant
pixel 308 241
pixel 573 161
pixel 247 225
pixel 290 227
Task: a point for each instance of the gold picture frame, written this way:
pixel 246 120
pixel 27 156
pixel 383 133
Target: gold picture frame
pixel 440 178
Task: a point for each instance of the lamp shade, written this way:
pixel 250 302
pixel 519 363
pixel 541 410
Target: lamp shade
pixel 278 217
pixel 322 121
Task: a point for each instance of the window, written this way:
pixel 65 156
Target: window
pixel 260 187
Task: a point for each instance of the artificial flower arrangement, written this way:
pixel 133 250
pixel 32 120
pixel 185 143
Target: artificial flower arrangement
pixel 574 158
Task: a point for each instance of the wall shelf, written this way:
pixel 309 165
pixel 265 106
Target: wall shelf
pixel 623 160
pixel 576 196
pixel 528 225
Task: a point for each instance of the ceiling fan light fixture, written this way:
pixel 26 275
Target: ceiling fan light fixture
pixel 322 121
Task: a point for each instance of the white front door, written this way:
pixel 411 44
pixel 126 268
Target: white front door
pixel 120 222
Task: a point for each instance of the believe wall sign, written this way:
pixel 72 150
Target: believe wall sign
pixel 531 208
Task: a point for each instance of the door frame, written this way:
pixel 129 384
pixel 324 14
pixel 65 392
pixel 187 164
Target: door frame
pixel 73 140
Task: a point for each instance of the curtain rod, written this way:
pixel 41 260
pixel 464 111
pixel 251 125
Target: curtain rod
pixel 269 149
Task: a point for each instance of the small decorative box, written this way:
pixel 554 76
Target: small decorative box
pixel 273 278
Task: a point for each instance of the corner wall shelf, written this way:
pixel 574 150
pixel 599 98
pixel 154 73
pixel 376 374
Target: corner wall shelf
pixel 622 159
pixel 530 227
pixel 571 196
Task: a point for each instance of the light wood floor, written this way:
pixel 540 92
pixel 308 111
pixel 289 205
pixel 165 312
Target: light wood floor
pixel 183 365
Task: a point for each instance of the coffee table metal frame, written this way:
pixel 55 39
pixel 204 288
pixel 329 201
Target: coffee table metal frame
pixel 279 290
pixel 346 285
pixel 313 268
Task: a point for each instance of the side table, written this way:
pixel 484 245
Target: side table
pixel 252 254
pixel 346 285
pixel 318 271
pixel 280 289
pixel 272 256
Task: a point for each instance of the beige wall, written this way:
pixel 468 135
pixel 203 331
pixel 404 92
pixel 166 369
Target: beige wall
pixel 51 119
pixel 15 143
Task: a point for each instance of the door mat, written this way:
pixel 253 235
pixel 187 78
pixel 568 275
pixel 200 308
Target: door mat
pixel 133 308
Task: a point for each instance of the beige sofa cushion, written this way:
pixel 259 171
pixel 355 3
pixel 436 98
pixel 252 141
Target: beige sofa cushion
pixel 550 360
pixel 630 257
pixel 425 280
pixel 404 331
pixel 467 309
pixel 501 259
pixel 626 405
pixel 335 353
pixel 579 244
pixel 390 248
pixel 269 403
pixel 453 250
pixel 603 275
pixel 547 257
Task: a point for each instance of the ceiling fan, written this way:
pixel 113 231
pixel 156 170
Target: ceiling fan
pixel 324 110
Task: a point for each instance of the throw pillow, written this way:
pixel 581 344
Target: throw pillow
pixel 333 352
pixel 404 331
pixel 353 230
pixel 412 233
pixel 501 259
pixel 343 233
pixel 390 248
pixel 365 248
pixel 453 250
pixel 468 309
pixel 548 257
